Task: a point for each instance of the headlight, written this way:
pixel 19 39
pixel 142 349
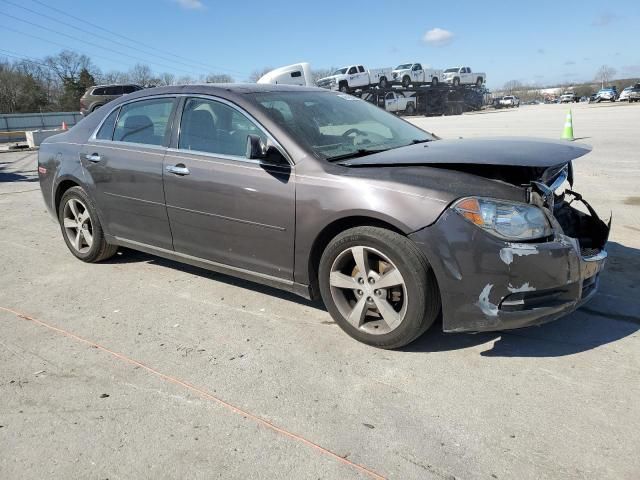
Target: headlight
pixel 504 219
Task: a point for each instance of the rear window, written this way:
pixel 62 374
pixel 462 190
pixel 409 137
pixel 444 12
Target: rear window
pixel 106 130
pixel 113 90
pixel 146 121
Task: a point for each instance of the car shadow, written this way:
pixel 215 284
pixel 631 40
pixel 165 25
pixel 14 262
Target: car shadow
pixel 610 316
pixel 16 175
pixel 126 255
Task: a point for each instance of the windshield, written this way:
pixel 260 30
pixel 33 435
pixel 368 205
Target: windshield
pixel 336 125
pixel 340 71
pixel 404 66
pixel 451 70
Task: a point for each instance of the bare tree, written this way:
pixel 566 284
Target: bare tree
pixel 166 79
pixel 257 74
pixel 67 65
pixel 512 86
pixel 605 74
pixel 141 74
pixel 218 78
pixel 114 76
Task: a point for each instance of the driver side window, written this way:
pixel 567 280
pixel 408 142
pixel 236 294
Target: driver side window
pixel 214 127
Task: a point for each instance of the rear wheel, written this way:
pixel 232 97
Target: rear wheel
pixel 96 107
pixel 378 287
pixel 410 109
pixel 81 228
pixel 479 82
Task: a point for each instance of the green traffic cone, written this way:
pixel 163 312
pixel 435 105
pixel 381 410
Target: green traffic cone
pixel 567 134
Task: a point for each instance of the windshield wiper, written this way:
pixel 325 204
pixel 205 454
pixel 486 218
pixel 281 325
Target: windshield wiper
pixel 425 140
pixel 358 153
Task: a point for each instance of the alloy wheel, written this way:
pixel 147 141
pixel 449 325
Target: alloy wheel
pixel 368 290
pixel 77 225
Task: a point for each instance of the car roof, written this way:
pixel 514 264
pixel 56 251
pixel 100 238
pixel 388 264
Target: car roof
pixel 223 88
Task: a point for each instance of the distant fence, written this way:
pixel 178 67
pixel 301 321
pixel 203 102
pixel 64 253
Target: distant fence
pixel 21 122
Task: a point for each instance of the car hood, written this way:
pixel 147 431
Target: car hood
pixel 512 152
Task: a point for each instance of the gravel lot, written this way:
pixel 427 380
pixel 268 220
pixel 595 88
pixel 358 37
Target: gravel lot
pixel 144 368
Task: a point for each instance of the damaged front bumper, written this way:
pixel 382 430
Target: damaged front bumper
pixel 489 284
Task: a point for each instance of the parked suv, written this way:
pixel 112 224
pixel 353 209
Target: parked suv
pixel 98 95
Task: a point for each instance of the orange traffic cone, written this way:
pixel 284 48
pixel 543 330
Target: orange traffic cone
pixel 64 126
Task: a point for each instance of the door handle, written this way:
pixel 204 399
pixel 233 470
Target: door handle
pixel 178 169
pixel 93 157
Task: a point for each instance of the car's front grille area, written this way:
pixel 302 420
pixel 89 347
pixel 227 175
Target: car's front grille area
pixel 589 252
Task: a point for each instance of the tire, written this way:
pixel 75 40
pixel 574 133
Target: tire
pixel 410 110
pixel 434 81
pixel 383 82
pixel 410 306
pixel 96 107
pixel 479 82
pixel 344 87
pixel 406 81
pixel 89 246
pixel 456 82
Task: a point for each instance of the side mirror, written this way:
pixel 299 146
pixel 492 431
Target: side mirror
pixel 255 147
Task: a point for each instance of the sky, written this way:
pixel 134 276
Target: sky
pixel 542 42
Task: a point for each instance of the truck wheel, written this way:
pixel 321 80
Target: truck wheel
pixel 456 82
pixel 434 81
pixel 410 110
pixel 378 286
pixel 344 87
pixel 383 82
pixel 479 82
pixel 406 81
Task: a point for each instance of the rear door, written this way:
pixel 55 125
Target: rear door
pixel 123 161
pixel 222 206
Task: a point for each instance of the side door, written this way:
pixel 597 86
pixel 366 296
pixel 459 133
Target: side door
pixel 355 77
pixel 465 77
pixel 391 102
pixel 417 73
pixel 222 206
pixel 123 161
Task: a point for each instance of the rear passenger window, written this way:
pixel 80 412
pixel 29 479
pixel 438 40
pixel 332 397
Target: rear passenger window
pixel 214 127
pixel 146 121
pixel 115 90
pixel 296 74
pixel 129 89
pixel 106 130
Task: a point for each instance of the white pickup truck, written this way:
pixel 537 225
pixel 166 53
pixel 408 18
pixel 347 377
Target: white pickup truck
pixel 350 78
pixel 464 76
pixel 396 102
pixel 415 74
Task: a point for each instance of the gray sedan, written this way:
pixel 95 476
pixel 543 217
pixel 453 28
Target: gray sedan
pixel 322 194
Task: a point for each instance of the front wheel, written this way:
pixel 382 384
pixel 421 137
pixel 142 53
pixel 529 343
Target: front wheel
pixel 406 81
pixel 378 286
pixel 383 82
pixel 81 228
pixel 456 82
pixel 434 81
